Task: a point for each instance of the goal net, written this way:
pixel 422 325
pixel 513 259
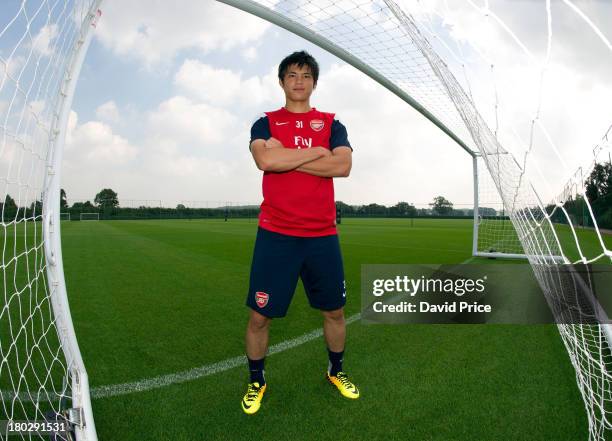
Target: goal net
pixel 65 216
pixel 42 376
pixel 494 234
pixel 455 62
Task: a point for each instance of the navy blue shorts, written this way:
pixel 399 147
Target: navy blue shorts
pixel 278 261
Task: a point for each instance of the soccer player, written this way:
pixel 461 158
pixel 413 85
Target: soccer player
pixel 300 150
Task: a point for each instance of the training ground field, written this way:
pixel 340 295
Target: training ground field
pixel 155 298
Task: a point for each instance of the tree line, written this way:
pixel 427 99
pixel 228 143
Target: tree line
pixel 106 205
pixel 598 190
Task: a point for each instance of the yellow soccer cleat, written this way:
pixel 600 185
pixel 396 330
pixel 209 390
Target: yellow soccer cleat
pixel 252 399
pixel 344 385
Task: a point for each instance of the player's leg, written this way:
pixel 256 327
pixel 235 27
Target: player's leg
pixel 274 273
pixel 334 329
pixel 323 278
pixel 257 335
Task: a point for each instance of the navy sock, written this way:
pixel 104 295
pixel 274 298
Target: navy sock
pixel 335 361
pixel 256 368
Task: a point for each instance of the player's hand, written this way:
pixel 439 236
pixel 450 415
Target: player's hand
pixel 274 143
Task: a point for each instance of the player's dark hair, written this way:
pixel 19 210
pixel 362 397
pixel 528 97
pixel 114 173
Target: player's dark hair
pixel 300 58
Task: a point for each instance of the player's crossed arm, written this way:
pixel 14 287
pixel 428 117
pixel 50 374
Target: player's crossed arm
pixel 336 165
pixel 271 156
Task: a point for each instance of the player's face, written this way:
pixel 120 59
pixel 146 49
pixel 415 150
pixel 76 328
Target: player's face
pixel 298 83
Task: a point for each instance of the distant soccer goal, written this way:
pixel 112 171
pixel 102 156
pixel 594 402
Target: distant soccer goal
pixel 65 216
pixel 89 216
pixel 494 234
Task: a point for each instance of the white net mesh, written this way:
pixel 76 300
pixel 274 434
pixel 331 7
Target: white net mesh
pixel 38 40
pixel 495 232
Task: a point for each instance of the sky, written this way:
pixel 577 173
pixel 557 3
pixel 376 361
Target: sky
pixel 168 92
pixel 170 119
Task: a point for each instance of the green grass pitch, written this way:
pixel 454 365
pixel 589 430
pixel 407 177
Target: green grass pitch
pixel 150 298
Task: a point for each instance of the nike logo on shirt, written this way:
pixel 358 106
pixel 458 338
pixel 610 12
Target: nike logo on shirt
pixel 282 123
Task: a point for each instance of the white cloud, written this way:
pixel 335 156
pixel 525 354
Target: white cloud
pixel 261 92
pixel 191 151
pixel 42 42
pixel 249 54
pixel 219 86
pixel 11 67
pixel 193 124
pixel 226 88
pixel 93 144
pixel 108 112
pixel 154 32
pixel 37 106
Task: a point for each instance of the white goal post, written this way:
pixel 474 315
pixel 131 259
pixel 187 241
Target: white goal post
pixel 89 216
pixel 42 374
pixel 65 216
pixel 493 235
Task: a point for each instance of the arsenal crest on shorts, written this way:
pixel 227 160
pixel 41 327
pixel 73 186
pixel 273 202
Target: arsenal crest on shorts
pixel 317 124
pixel 261 298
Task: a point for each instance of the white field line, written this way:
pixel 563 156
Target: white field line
pixel 203 371
pixel 114 390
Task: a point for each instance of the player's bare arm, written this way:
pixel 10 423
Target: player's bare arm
pixel 273 143
pixel 280 159
pixel 336 165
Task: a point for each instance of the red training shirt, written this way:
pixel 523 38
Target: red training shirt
pixel 297 203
